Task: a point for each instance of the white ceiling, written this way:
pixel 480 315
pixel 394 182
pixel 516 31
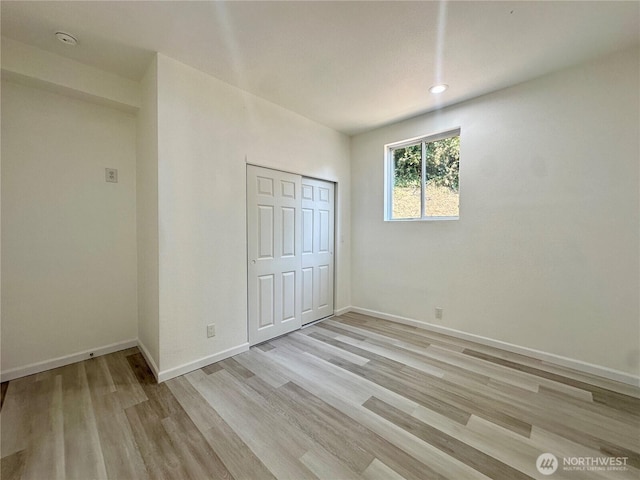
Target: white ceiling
pixel 350 65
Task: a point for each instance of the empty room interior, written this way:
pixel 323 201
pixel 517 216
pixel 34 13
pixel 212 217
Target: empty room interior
pixel 320 240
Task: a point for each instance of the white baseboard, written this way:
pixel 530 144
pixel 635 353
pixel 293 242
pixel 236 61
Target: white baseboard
pixel 342 311
pixel 38 367
pixel 578 365
pixel 161 376
pixel 149 359
pixel 165 375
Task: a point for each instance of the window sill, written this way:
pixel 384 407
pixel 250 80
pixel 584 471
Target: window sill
pixel 424 219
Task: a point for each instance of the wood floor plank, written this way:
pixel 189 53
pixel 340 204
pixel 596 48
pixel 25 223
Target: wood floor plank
pixel 213 368
pixel 162 400
pixel 447 342
pixel 441 355
pixel 494 371
pixel 235 368
pixel 199 459
pixel 513 450
pixel 121 453
pixel 233 452
pixel 57 427
pixel 325 466
pixel 611 398
pixel 411 391
pixel 241 461
pixel 44 458
pixel 379 471
pixel 252 362
pixel 566 390
pixel 602 382
pixel 363 438
pixel 534 408
pixel 361 352
pixel 83 452
pixel 323 350
pixel 15 434
pixel 405 358
pixel 154 443
pixel 341 322
pixel 99 377
pixel 457 449
pixel 265 347
pixel 431 462
pixel 548 395
pixel 433 393
pixel 202 414
pixel 125 382
pixel 340 330
pixel 418 353
pixel 336 380
pixel 351 397
pixel 329 433
pixel 12 466
pixel 279 449
pixel 562 447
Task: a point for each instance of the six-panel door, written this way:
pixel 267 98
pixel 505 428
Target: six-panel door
pixel 290 230
pixel 317 249
pixel 273 226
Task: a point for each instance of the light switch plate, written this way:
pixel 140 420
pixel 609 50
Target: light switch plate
pixel 111 175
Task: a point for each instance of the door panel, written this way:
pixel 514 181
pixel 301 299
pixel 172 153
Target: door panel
pixel 288 232
pixel 307 230
pixel 265 300
pixel 317 252
pixel 324 232
pixel 274 253
pixel 323 286
pixel 288 296
pixel 265 231
pixel 288 188
pixel 307 290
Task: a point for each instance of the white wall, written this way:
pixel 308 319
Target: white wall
pixel 39 68
pixel 68 237
pixel 207 130
pixel 147 217
pixel 546 252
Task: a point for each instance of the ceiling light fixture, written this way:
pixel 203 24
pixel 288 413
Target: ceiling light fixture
pixel 439 88
pixel 66 38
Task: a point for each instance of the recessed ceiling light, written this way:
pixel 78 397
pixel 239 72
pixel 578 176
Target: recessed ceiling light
pixel 66 38
pixel 438 88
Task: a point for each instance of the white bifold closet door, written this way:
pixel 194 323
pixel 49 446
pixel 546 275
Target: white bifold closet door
pixel 290 251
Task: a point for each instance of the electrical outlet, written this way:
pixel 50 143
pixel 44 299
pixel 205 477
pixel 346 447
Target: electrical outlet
pixel 439 313
pixel 111 175
pixel 211 330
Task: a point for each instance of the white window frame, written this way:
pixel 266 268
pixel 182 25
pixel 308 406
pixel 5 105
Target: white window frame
pixel 389 176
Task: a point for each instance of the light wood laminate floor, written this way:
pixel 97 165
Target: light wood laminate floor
pixel 349 398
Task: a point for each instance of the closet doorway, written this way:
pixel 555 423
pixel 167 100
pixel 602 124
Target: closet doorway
pixel 290 251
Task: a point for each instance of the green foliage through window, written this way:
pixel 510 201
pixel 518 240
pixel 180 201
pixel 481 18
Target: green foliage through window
pixel 423 178
pixel 442 164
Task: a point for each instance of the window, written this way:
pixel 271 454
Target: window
pixel 422 178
